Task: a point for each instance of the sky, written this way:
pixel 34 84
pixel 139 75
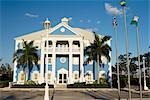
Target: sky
pixel 20 17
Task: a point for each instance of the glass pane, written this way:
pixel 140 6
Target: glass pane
pixel 65 76
pixel 60 76
pixel 65 81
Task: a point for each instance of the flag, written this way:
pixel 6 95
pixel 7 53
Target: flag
pixel 135 20
pixel 114 22
pixel 123 3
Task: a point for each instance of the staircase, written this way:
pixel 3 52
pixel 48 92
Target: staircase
pixel 61 86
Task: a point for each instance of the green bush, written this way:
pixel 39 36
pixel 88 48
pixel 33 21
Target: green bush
pixel 30 82
pixel 84 85
pixel 31 86
pixel 4 84
pixel 123 81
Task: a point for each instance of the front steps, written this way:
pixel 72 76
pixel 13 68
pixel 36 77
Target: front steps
pixel 60 85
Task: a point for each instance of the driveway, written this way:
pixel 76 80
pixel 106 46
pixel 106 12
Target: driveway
pixel 85 94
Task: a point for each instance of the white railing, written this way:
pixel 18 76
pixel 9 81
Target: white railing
pixel 75 49
pixel 49 49
pixel 62 49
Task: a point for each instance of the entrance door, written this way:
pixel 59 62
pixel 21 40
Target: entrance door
pixel 62 78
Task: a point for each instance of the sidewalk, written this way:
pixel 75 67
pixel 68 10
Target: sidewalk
pixel 135 91
pixel 67 89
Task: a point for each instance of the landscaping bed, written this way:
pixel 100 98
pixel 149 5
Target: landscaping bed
pixel 4 84
pixel 84 85
pixel 31 86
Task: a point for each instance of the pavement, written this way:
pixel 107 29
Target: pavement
pixel 69 94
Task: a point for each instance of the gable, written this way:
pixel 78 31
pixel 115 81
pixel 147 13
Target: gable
pixel 62 31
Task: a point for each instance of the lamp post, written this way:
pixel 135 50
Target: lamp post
pixel 145 87
pixel 116 36
pixel 123 4
pixel 47 26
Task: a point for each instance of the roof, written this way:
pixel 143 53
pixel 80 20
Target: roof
pixel 87 35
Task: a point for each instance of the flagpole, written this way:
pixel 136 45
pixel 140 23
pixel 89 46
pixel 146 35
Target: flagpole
pixel 116 35
pixel 126 37
pixel 138 51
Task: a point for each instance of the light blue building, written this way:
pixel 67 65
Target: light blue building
pixel 65 49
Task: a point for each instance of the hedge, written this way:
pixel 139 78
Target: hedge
pixel 31 86
pixel 4 84
pixel 84 85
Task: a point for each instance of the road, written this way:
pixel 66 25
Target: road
pixel 69 95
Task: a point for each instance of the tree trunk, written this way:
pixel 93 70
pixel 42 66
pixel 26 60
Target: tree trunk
pixel 98 69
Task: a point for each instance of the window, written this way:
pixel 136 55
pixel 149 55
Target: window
pixel 22 77
pixel 75 76
pixel 49 76
pixel 36 76
pixel 89 77
pixel 49 60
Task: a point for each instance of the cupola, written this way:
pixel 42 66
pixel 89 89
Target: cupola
pixel 65 20
pixel 47 24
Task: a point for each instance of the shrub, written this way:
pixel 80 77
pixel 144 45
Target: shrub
pixel 123 81
pixel 84 85
pixel 30 82
pixel 31 86
pixel 4 84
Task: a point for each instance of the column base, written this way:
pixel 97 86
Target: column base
pixel 145 88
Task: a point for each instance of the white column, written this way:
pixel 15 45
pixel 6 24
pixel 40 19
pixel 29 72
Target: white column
pixel 81 61
pixel 15 64
pixel 42 61
pixel 145 87
pixel 70 62
pixel 109 63
pixel 53 61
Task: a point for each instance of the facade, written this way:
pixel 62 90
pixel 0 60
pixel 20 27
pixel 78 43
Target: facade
pixel 65 48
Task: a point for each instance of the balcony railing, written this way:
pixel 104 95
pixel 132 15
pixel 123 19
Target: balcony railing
pixel 62 49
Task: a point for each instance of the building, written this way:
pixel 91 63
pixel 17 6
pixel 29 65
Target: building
pixel 65 55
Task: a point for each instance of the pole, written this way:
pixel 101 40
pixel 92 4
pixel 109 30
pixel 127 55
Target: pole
pixel 46 97
pixel 116 36
pixel 118 81
pixel 126 37
pixel 145 87
pixel 138 52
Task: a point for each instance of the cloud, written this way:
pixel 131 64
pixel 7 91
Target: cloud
pixel 31 15
pixel 92 29
pixel 112 10
pixel 88 20
pixel 70 18
pixel 81 21
pixel 98 22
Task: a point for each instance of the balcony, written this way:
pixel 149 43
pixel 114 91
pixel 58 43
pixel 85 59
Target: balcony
pixel 62 49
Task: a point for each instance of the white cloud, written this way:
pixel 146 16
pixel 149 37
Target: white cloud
pixel 88 20
pixel 112 10
pixel 70 18
pixel 81 20
pixel 98 22
pixel 92 29
pixel 31 15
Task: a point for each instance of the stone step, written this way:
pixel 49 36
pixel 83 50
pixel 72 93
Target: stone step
pixel 60 85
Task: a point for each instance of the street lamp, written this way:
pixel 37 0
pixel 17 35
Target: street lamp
pixel 145 87
pixel 47 26
pixel 116 35
pixel 123 4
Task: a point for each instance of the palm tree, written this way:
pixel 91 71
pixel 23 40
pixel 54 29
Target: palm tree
pixel 26 57
pixel 97 49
